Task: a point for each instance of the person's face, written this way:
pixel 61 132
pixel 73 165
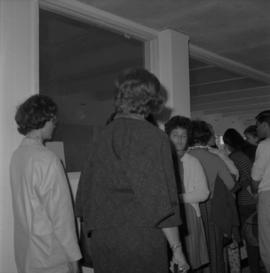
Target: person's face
pixel 49 128
pixel 179 138
pixel 227 149
pixel 251 139
pixel 261 129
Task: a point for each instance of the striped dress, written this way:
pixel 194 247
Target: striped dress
pixel 245 199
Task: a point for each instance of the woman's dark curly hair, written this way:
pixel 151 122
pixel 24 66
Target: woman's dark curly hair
pixel 264 116
pixel 138 92
pixel 34 113
pixel 178 122
pixel 251 130
pixel 200 132
pixel 234 139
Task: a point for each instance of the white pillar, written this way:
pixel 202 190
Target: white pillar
pixel 18 80
pixel 173 70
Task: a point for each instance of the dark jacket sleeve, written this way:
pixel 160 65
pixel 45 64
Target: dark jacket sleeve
pixel 170 180
pixel 154 186
pixel 84 188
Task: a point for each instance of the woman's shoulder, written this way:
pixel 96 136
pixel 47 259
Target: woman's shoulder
pixel 214 160
pixel 189 158
pixel 192 161
pixel 203 153
pixel 265 144
pixel 140 128
pixel 45 156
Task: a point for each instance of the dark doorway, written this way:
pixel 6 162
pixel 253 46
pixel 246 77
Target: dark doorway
pixel 79 63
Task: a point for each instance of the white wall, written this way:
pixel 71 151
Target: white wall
pixel 174 70
pixel 18 80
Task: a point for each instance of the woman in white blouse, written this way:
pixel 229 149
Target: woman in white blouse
pixel 192 190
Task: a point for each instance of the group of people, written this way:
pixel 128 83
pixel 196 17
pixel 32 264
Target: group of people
pixel 149 201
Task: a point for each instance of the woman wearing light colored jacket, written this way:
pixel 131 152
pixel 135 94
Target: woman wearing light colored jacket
pixel 44 228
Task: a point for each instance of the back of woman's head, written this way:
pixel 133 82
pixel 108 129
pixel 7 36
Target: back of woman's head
pixel 233 139
pixel 200 132
pixel 138 92
pixel 34 113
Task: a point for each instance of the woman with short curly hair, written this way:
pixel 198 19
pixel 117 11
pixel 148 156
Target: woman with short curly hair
pixel 44 229
pixel 139 92
pixel 127 194
pixel 34 113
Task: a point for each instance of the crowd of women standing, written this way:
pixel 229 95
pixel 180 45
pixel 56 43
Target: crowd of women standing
pixel 149 201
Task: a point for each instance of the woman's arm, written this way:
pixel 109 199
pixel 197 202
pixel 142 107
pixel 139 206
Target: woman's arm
pixel 197 181
pixel 172 236
pixel 56 198
pixel 229 163
pixel 259 165
pixel 225 175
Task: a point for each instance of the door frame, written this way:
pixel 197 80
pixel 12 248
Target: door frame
pixel 84 12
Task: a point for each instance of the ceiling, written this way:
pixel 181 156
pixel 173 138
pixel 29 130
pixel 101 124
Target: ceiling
pixel 235 32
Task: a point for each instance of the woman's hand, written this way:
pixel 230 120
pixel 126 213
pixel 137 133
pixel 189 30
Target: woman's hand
pixel 179 260
pixel 172 236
